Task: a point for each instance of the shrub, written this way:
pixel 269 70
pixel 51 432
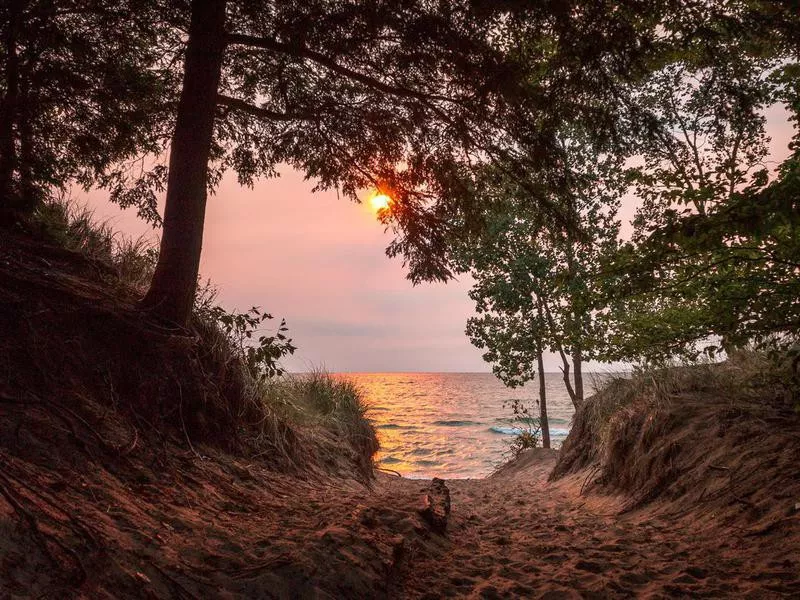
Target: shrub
pixel 530 430
pixel 260 354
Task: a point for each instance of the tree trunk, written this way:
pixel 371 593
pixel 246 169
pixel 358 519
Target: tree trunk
pixel 8 111
pixel 171 293
pixel 564 361
pixel 544 424
pixel 577 372
pixel 30 195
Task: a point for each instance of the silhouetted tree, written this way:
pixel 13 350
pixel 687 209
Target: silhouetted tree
pixel 84 85
pixel 407 96
pixel 716 247
pixel 535 281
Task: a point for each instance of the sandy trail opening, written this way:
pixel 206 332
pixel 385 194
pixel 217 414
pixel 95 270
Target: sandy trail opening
pixel 517 535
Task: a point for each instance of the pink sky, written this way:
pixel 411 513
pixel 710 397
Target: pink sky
pixel 318 261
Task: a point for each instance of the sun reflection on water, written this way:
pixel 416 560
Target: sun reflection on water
pixel 449 424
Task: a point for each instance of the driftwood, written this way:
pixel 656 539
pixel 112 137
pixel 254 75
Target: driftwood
pixel 436 505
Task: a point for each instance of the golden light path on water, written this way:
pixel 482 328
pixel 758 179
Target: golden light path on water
pixel 454 425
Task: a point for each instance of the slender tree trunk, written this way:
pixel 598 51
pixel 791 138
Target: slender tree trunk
pixel 543 421
pixel 577 372
pixel 30 195
pixel 564 360
pixel 172 290
pixel 8 110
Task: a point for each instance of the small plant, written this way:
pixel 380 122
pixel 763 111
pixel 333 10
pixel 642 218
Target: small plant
pixel 530 431
pixel 260 355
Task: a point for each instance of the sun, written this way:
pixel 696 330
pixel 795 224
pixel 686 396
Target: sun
pixel 380 202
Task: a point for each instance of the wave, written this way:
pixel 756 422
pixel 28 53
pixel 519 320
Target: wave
pixel 394 426
pixel 455 423
pixel 551 420
pixel 554 431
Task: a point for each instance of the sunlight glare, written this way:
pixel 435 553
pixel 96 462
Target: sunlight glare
pixel 380 202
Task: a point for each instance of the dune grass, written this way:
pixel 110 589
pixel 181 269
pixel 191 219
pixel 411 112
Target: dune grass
pixel 746 378
pixel 634 431
pixel 321 402
pixel 297 422
pixel 71 225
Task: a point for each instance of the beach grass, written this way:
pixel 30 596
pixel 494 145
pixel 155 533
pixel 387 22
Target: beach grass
pixel 298 422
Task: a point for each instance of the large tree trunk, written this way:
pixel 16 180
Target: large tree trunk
pixel 544 423
pixel 8 111
pixel 172 290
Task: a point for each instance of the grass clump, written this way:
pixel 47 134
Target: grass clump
pixel 68 224
pixel 219 383
pixel 325 404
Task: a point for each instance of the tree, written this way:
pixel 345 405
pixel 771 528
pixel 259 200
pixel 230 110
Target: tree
pixel 535 284
pixel 712 257
pixel 407 97
pixel 84 85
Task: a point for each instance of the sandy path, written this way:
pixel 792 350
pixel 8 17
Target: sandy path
pixel 515 535
pixel 214 528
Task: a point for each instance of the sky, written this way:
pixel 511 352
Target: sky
pixel 318 261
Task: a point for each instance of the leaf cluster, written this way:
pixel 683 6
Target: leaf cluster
pixel 259 352
pixel 88 89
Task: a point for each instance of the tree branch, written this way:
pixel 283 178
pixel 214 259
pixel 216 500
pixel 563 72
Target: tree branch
pixel 331 64
pixel 263 113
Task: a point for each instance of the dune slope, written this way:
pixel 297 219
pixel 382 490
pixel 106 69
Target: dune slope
pixel 104 495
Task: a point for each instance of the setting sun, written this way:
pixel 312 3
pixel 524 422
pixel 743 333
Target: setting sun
pixel 380 202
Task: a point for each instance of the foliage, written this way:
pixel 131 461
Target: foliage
pixel 714 254
pixel 716 249
pixel 260 354
pixel 530 431
pixel 534 278
pixel 86 90
pixel 345 92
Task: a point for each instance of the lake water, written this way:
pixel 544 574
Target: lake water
pixel 453 425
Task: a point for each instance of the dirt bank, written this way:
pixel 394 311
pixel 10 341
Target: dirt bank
pixel 104 500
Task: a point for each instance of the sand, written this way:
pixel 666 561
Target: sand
pixel 516 535
pixel 208 525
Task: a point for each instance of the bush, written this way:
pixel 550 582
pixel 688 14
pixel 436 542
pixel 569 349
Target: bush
pixel 530 432
pixel 259 355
